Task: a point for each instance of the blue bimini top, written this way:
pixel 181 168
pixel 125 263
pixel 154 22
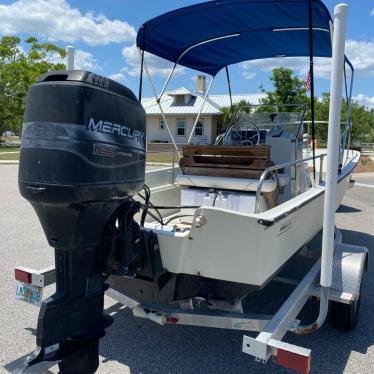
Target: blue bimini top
pixel 211 35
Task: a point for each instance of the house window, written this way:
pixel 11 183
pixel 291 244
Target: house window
pixel 219 126
pixel 199 129
pixel 161 124
pixel 181 127
pixel 179 100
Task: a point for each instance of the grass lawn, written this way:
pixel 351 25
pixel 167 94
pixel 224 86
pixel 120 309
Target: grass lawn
pixel 9 149
pixel 9 156
pixel 166 157
pixel 6 153
pixel 365 164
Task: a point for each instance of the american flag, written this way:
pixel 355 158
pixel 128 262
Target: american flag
pixel 308 81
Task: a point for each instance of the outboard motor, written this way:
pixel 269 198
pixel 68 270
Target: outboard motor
pixel 82 158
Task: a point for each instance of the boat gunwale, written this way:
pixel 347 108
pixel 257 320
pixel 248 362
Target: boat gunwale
pixel 270 217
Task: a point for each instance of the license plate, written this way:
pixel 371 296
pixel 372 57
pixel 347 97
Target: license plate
pixel 29 293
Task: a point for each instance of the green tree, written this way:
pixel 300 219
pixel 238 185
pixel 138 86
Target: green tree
pixel 288 89
pixel 321 113
pixel 362 120
pixel 20 66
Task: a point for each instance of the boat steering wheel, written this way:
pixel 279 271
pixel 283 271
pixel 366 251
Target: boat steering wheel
pixel 243 135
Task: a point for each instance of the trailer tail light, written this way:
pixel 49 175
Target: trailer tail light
pixel 22 276
pixel 172 320
pixel 294 361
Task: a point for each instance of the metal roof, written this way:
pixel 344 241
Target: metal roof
pixel 179 91
pixel 224 100
pixel 212 106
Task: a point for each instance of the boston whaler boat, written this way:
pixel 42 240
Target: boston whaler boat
pixel 196 239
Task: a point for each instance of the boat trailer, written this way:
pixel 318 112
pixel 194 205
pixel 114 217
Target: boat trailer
pixel 340 265
pixel 349 264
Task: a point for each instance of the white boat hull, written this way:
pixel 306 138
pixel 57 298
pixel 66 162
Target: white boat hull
pixel 247 248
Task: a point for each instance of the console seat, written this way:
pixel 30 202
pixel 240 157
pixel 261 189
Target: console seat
pixel 225 161
pixel 236 168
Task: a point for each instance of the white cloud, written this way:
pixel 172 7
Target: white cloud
pixel 248 74
pixel 58 20
pixel 360 53
pixel 119 77
pixel 156 65
pixel 267 65
pixel 86 61
pixel 372 12
pixel 364 100
pixel 300 65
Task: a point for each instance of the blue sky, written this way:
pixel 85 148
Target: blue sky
pixel 103 32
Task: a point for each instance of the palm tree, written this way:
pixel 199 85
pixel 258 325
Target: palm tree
pixel 229 111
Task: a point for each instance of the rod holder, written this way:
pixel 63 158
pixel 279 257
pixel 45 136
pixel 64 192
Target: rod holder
pixel 70 52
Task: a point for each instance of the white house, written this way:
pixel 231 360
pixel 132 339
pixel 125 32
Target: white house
pixel 181 107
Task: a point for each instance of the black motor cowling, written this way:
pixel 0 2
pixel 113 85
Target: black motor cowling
pixel 82 157
pixel 82 131
pixel 83 141
pixel 88 119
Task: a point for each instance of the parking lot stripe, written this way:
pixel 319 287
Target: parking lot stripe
pixel 364 185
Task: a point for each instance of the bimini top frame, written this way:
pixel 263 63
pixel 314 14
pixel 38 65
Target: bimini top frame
pixel 212 35
pixel 229 32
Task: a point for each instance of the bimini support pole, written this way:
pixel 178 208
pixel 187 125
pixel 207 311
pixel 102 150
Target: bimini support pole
pixel 141 76
pixel 201 109
pixel 229 85
pixel 159 104
pixel 167 82
pixel 333 154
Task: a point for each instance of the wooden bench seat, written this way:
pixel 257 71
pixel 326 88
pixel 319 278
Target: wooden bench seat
pixel 225 161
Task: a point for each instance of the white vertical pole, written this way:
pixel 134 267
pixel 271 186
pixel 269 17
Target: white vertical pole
pixel 201 109
pixel 70 51
pixel 340 13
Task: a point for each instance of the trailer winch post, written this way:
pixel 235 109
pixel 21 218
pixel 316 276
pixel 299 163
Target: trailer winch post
pixel 333 156
pixel 333 151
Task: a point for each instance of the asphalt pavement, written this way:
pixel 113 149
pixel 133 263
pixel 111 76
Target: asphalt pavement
pixel 140 346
